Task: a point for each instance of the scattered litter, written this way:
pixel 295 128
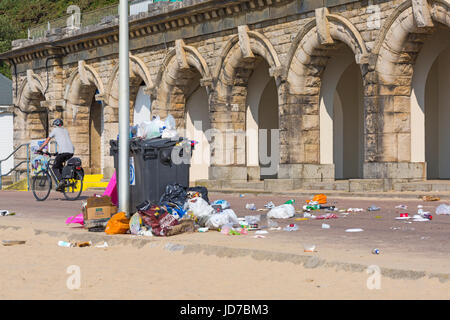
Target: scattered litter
pixel 308 215
pixel 65 244
pixel 327 216
pixel 309 247
pixel 354 230
pixel 269 205
pixel 355 210
pixel 325 226
pixel 443 209
pixel 402 218
pixel 223 203
pixel 258 236
pixel 83 244
pixel 291 227
pixel 402 206
pixel 301 219
pixel 103 245
pixel 250 206
pixel 76 219
pixel 4 213
pixel 242 195
pixel 252 219
pixel 284 211
pixel 430 198
pixel 373 208
pixel 12 242
pixel 291 201
pixel 420 219
pixel 145 233
pixel 376 251
pixel 275 229
pixel 259 232
pixel 378 217
pixel 318 199
pixel 404 215
pixel 203 229
pixel 272 224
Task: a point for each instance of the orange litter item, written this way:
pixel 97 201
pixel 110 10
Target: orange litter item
pixel 319 198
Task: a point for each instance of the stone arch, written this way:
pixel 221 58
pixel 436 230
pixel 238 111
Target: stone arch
pixel 307 59
pixel 31 92
pixel 243 55
pixel 239 50
pixel 308 54
pixel 139 73
pixel 397 48
pixel 84 116
pixel 182 71
pixel 402 36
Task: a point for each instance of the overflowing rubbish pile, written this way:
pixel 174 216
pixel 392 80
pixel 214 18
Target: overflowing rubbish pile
pixel 183 210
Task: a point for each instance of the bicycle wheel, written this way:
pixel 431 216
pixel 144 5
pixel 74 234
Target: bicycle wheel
pixel 41 186
pixel 74 187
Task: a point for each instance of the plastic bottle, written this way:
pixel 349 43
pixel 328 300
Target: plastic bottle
pixel 65 244
pixel 376 251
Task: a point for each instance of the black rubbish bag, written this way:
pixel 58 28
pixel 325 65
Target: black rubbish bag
pixel 175 193
pixel 202 190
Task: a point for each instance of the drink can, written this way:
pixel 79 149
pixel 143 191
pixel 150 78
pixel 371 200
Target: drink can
pixel 404 215
pixel 428 216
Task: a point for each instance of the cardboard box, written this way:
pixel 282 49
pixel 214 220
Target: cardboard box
pixel 99 208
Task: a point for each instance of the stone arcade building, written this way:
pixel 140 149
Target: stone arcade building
pixel 359 90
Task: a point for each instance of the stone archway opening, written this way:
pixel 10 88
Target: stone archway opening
pixel 342 115
pixel 430 106
pixel 182 96
pixel 84 119
pixel 437 118
pixel 262 122
pixel 197 127
pixel 95 136
pixel 141 108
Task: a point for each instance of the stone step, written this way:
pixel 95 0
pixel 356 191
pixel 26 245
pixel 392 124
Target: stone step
pixel 427 186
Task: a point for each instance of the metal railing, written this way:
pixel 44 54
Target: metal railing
pixel 27 145
pixel 79 20
pixel 74 20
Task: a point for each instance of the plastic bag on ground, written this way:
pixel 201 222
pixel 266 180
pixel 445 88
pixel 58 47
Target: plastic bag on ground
pixel 174 193
pixel 218 220
pixel 200 207
pixel 76 219
pixel 118 224
pixel 443 209
pixel 284 211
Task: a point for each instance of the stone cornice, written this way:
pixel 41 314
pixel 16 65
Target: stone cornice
pixel 161 17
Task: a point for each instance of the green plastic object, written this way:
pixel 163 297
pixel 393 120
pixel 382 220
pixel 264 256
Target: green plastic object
pixel 292 201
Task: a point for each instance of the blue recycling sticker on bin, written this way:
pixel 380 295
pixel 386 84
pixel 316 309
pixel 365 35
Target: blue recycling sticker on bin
pixel 132 172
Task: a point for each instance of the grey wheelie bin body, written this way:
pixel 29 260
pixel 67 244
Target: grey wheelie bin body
pixel 154 168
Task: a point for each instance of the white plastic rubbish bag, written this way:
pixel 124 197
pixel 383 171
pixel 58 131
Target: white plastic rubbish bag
pixel 200 207
pixel 218 220
pixel 169 128
pixel 284 211
pixel 150 129
pixel 443 209
pixel 223 203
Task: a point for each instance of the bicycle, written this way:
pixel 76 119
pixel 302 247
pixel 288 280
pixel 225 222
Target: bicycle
pixel 72 175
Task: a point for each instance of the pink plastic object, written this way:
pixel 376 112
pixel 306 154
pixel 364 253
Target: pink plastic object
pixel 76 219
pixel 111 190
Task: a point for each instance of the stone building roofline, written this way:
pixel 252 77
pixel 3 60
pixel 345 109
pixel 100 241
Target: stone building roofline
pixel 161 17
